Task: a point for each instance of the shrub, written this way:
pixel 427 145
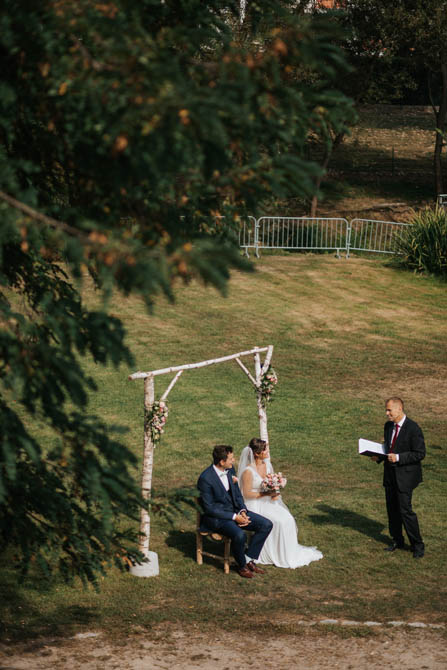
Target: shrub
pixel 423 245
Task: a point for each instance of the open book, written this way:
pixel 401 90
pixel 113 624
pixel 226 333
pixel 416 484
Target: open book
pixel 368 448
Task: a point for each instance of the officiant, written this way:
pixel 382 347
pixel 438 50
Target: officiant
pixel 404 451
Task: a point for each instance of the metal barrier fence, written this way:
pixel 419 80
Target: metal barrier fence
pixel 247 236
pixel 286 232
pixel 374 236
pixel 319 234
pixel 299 233
pixel 442 199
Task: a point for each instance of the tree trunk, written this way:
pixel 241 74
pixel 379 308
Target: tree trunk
pixel 327 157
pixel 441 123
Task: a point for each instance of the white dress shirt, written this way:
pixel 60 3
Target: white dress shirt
pixel 400 424
pixel 223 476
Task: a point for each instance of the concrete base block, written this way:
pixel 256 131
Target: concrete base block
pixel 149 569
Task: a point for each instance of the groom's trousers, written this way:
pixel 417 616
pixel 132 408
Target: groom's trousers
pixel 259 525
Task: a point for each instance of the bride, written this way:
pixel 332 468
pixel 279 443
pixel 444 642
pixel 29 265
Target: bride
pixel 281 547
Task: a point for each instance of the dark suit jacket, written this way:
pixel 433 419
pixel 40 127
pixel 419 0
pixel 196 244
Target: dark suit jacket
pixel 217 503
pixel 410 446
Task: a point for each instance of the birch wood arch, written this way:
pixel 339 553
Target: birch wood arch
pixel 150 567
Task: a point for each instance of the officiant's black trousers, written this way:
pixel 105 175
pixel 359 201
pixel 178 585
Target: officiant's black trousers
pixel 400 513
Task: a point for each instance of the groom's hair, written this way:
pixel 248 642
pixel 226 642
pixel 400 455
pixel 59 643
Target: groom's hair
pixel 257 445
pixel 220 453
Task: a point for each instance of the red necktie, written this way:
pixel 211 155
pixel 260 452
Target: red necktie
pixel 396 431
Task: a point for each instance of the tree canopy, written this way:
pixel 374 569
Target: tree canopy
pixel 390 46
pixel 135 135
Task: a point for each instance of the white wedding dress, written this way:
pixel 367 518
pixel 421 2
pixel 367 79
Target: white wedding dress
pixel 281 547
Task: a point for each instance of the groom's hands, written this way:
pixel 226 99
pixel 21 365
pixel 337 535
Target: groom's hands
pixel 242 519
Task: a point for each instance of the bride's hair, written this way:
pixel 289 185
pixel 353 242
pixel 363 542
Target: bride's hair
pixel 257 445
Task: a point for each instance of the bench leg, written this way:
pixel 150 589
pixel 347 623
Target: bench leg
pixel 227 555
pixel 199 548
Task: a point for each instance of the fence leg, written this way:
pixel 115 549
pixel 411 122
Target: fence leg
pixel 257 239
pixel 348 240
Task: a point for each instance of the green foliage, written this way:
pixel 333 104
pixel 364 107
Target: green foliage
pixel 423 245
pixel 134 135
pixel 391 45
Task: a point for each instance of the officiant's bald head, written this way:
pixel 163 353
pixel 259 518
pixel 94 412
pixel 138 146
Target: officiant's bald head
pixel 396 401
pixel 394 408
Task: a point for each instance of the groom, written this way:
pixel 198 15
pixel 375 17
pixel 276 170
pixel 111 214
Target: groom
pixel 224 511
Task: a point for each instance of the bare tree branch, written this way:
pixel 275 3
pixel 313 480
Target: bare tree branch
pixel 43 218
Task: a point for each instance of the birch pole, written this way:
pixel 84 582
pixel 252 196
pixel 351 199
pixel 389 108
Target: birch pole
pixel 150 568
pixel 262 414
pixel 192 366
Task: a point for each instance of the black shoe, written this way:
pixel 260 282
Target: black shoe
pixel 419 552
pixel 394 546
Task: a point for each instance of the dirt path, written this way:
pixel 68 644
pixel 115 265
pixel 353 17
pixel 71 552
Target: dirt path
pixel 309 649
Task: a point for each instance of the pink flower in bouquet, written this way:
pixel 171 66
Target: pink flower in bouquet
pixel 267 386
pixel 158 419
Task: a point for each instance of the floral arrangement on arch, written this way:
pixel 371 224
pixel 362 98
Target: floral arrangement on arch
pixel 157 419
pixel 267 386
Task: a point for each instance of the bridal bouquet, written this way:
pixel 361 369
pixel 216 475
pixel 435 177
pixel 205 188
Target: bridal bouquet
pixel 273 482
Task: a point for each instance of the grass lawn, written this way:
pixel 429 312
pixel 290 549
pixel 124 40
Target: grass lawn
pixel 347 334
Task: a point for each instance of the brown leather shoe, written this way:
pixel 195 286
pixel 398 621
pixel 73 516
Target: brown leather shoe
pixel 254 568
pixel 245 572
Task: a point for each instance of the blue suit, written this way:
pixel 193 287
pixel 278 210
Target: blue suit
pixel 220 505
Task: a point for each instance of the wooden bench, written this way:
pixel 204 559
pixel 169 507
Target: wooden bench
pixel 215 537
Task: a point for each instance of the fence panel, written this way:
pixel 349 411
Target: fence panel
pixel 319 234
pixel 374 236
pixel 442 199
pixel 248 235
pixel 302 233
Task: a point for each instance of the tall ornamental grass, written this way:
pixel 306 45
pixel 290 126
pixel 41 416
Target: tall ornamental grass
pixel 423 245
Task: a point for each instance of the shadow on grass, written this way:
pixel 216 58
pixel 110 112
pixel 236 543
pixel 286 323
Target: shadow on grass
pixel 183 541
pixel 21 620
pixel 346 518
